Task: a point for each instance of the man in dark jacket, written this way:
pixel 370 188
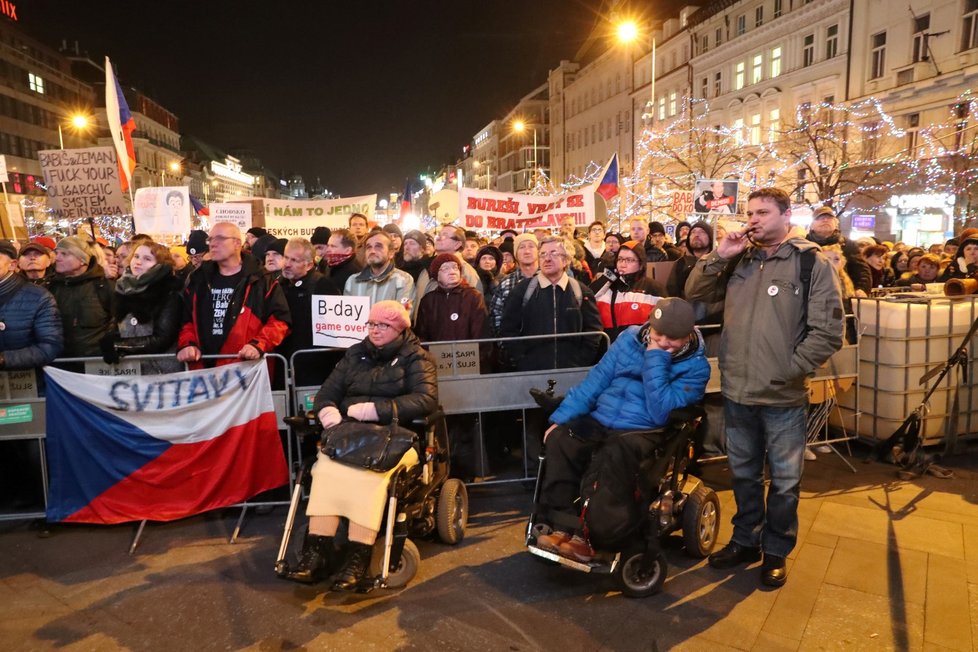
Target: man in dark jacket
pixel 824 230
pixel 340 260
pixel 699 242
pixel 548 303
pixel 34 263
pixel 84 296
pixel 639 231
pixel 230 306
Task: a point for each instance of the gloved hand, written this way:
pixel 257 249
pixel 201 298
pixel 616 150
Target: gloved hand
pixel 329 416
pixel 362 412
pixel 107 345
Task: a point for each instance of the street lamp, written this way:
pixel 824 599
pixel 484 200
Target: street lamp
pixel 627 32
pixel 77 121
pixel 174 168
pixel 519 126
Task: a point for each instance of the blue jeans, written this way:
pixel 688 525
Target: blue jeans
pixel 777 433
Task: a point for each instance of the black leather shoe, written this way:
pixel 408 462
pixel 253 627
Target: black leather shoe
pixel 773 571
pixel 734 554
pixel 355 568
pixel 317 552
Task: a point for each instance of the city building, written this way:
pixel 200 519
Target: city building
pixel 524 143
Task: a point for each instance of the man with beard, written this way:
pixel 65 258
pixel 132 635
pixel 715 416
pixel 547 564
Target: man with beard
pixel 380 280
pixel 340 258
pixel 359 227
pixel 699 242
pixel 824 230
pixel 412 258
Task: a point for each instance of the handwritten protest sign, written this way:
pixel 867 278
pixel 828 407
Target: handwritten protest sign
pixel 82 183
pixel 237 213
pixel 298 218
pixel 162 210
pixel 485 209
pixel 339 321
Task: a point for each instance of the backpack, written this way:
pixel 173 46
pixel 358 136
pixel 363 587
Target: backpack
pixel 534 285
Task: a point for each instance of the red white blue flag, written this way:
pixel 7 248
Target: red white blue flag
pixel 129 448
pixel 607 185
pixel 121 126
pixel 406 201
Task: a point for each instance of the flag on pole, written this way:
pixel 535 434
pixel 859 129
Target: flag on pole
pixel 406 201
pixel 199 208
pixel 129 448
pixel 121 126
pixel 607 187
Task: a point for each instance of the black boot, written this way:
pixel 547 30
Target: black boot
pixel 355 567
pixel 314 560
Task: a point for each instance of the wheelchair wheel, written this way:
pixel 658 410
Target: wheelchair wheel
pixel 452 511
pixel 634 582
pixel 407 567
pixel 701 522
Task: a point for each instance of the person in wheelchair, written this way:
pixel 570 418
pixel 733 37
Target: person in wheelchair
pixel 388 367
pixel 649 371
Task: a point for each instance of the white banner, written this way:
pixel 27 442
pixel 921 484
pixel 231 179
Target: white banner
pixel 339 321
pixel 3 169
pixel 82 183
pixel 237 213
pixel 298 218
pixel 485 209
pixel 716 197
pixel 162 210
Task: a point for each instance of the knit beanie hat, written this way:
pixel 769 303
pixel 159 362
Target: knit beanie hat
pixel 672 317
pixel 490 250
pixel 523 237
pixel 257 231
pixel 391 313
pixel 393 229
pixel 260 248
pixel 507 247
pixel 178 250
pixel 77 247
pixel 637 248
pixel 702 226
pixel 320 235
pixel 417 236
pixel 197 243
pixel 278 246
pixel 440 260
pixel 656 227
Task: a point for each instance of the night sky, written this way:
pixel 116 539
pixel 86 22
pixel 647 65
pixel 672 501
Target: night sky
pixel 359 93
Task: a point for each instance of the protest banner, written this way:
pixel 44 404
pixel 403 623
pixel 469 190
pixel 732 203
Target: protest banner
pixel 682 203
pixel 162 210
pixel 159 447
pixel 464 362
pixel 237 213
pixel 485 209
pixel 82 183
pixel 339 321
pixel 298 218
pixel 715 197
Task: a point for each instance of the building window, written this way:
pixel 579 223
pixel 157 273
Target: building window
pixel 808 51
pixel 718 37
pixel 969 25
pixel 778 8
pixel 831 41
pixel 741 24
pixel 705 43
pixel 618 83
pixel 35 83
pixel 920 26
pixel 662 107
pixel 739 76
pixel 704 87
pixel 913 133
pixel 757 68
pixel 738 128
pixel 672 103
pixel 877 63
pixel 804 114
pixel 717 84
pixel 755 129
pixel 773 124
pixel 870 140
pixel 759 16
pixel 775 62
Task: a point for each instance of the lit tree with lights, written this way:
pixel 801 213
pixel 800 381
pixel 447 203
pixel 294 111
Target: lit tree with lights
pixel 949 161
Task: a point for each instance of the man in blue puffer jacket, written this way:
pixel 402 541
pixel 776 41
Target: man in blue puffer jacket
pixel 648 372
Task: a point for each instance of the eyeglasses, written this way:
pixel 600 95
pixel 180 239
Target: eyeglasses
pixel 218 238
pixel 379 326
pixel 448 267
pixel 547 255
pixel 625 259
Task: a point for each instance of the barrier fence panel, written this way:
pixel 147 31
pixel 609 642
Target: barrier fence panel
pixel 22 428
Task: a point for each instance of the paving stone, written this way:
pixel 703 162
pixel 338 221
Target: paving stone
pixel 947 608
pixel 847 619
pixel 795 600
pixel 877 568
pixel 768 642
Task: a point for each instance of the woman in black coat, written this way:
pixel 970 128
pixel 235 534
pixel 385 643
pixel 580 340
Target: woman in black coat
pixel 148 309
pixel 387 369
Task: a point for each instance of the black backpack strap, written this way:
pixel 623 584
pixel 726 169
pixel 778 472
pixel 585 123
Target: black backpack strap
pixel 807 264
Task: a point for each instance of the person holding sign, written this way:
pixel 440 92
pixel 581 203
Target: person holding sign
pixel 230 306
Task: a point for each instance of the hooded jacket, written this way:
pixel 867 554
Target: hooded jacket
pixel 257 314
pixel 32 333
pixel 400 372
pixel 676 285
pixel 768 348
pixel 86 306
pixel 634 388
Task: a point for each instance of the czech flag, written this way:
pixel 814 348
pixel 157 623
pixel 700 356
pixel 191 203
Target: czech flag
pixel 121 126
pixel 608 185
pixel 199 208
pixel 159 448
pixel 406 201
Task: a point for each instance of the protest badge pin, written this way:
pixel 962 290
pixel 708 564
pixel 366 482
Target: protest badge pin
pixel 298 283
pixel 658 313
pixel 133 321
pixel 634 306
pixel 3 326
pixel 454 316
pixel 773 291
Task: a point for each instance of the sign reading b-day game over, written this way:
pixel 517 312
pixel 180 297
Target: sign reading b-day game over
pixel 339 321
pixel 485 209
pixel 82 183
pixel 237 213
pixel 298 218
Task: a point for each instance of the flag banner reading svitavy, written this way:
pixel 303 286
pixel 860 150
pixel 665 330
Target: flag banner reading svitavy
pixel 159 447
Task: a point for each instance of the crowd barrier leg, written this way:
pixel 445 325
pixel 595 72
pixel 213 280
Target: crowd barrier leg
pixel 137 537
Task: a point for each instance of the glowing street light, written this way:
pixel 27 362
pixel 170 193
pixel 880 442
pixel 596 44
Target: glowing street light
pixel 519 126
pixel 78 122
pixel 627 32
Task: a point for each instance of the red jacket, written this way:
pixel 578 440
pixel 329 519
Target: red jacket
pixel 258 313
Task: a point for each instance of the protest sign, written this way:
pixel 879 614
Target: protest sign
pixel 682 203
pixel 82 183
pixel 237 213
pixel 298 218
pixel 463 362
pixel 162 210
pixel 3 169
pixel 715 197
pixel 485 209
pixel 339 321
pixel 18 384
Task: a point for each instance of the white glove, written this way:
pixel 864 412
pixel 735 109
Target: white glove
pixel 362 412
pixel 329 416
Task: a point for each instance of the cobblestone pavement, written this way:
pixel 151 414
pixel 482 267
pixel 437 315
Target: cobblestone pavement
pixel 880 564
